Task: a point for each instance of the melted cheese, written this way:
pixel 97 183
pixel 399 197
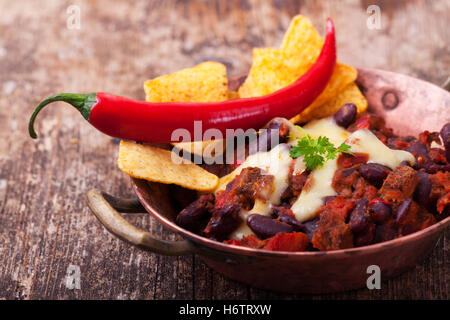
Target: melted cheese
pixel 364 141
pixel 317 187
pixel 242 231
pixel 319 184
pixel 299 166
pixel 320 180
pixel 323 127
pixel 275 162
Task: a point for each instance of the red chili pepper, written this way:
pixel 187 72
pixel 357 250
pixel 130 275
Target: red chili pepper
pixel 156 121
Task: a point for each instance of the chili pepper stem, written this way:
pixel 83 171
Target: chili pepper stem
pixel 82 102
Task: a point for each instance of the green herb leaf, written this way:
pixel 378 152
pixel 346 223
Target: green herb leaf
pixel 316 152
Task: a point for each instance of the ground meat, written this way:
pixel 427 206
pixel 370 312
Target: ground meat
pixel 374 123
pixel 386 231
pixel 411 217
pixel 428 159
pixel 347 180
pixel 253 242
pixel 245 188
pixel 344 181
pixel 363 189
pixel 399 184
pixel 345 160
pixel 332 232
pixel 440 190
pixel 296 183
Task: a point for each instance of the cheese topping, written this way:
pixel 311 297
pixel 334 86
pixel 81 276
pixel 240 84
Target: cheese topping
pixel 317 187
pixel 323 127
pixel 275 162
pixel 320 180
pixel 364 141
pixel 319 184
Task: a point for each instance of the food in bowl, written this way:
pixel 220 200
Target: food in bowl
pixel 382 187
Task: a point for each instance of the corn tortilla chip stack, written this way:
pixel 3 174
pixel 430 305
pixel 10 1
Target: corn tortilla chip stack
pixel 273 69
pixel 206 82
pixel 351 93
pixel 155 164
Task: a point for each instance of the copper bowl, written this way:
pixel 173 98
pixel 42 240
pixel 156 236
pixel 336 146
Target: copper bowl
pixel 409 106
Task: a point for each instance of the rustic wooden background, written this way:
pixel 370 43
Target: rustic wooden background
pixel 45 226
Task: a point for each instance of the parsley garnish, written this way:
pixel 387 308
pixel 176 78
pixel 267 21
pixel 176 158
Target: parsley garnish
pixel 316 152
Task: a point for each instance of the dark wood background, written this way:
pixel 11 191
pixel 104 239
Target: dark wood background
pixel 45 225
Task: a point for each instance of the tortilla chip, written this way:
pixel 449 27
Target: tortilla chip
pixel 159 165
pixel 233 95
pixel 267 74
pixel 301 43
pixel 205 82
pixel 273 69
pixel 351 93
pixel 208 148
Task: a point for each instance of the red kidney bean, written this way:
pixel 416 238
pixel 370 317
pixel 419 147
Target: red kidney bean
pixel 385 232
pixel 403 209
pixel 405 163
pixel 365 238
pixel 418 149
pixel 310 227
pixel 348 172
pixel 359 217
pixel 431 167
pixel 379 211
pixel 328 199
pixel 223 222
pixel 346 115
pixel 275 128
pixel 290 220
pixel 423 188
pixel 445 135
pixel 285 215
pixel 265 227
pixel 374 173
pixel 196 215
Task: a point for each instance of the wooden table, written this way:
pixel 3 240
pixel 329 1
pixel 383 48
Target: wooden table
pixel 46 229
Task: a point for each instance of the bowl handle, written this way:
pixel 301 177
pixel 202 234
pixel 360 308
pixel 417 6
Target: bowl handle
pixel 446 84
pixel 121 228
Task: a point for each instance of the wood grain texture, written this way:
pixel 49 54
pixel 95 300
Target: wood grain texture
pixel 45 225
